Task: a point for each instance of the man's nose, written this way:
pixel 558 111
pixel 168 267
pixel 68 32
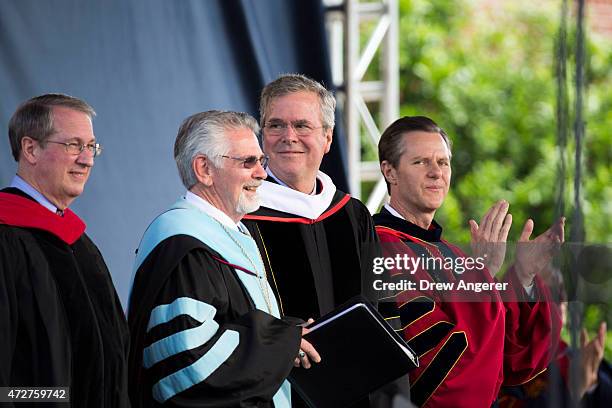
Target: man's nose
pixel 260 171
pixel 434 170
pixel 86 158
pixel 290 134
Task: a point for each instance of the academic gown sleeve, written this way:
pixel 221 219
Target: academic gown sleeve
pixel 532 330
pixel 10 261
pixel 207 346
pixel 369 249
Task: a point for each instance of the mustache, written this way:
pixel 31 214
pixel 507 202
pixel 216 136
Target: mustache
pixel 254 184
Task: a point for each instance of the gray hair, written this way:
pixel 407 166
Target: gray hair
pixel 291 83
pixel 204 133
pixel 34 118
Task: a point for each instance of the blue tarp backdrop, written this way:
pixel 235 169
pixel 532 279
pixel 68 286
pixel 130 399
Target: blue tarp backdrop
pixel 145 65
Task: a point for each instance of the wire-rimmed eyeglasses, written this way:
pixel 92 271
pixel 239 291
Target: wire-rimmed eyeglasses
pixel 77 148
pixel 278 128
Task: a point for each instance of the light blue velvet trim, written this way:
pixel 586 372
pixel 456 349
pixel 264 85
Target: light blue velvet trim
pixel 197 309
pixel 282 398
pixel 200 370
pixel 179 342
pixel 183 218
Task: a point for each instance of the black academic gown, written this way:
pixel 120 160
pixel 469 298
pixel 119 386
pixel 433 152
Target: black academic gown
pixel 316 265
pixel 61 320
pixel 184 267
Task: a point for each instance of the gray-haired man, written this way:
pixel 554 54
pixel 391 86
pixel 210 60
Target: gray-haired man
pixel 206 327
pixel 318 240
pixel 61 323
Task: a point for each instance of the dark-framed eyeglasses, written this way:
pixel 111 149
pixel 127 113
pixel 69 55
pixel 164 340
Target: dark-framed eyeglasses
pixel 77 148
pixel 278 128
pixel 248 162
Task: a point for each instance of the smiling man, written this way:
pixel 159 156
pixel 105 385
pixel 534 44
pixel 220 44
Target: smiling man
pixel 62 323
pixel 317 240
pixel 205 323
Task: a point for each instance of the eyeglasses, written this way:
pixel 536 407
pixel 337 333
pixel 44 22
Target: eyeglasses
pixel 248 162
pixel 77 148
pixel 300 128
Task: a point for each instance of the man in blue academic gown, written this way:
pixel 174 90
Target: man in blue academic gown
pixel 206 327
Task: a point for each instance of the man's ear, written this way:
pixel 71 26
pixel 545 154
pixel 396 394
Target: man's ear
pixel 328 139
pixel 389 172
pixel 30 149
pixel 203 169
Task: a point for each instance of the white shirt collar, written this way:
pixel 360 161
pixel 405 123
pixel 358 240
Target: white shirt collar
pixel 24 186
pixel 393 211
pixel 214 212
pixel 288 200
pixel 282 183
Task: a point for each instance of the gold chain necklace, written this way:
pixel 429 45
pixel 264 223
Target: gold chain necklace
pixel 263 286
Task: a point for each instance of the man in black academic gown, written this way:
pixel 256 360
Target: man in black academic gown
pixel 206 326
pixel 317 240
pixel 61 323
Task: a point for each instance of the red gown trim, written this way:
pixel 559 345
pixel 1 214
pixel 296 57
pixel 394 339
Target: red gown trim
pixel 234 266
pixel 21 212
pixel 302 220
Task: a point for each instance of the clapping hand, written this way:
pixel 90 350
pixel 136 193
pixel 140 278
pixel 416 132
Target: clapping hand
pixel 533 256
pixel 489 239
pixel 591 354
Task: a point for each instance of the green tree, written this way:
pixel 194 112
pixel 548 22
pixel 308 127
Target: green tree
pixel 485 71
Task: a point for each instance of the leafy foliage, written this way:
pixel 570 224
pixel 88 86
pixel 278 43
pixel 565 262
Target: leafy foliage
pixel 485 72
pixel 487 75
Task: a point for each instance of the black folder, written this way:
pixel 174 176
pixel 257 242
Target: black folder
pixel 359 352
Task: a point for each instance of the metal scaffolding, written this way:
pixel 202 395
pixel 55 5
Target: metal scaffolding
pixel 369 97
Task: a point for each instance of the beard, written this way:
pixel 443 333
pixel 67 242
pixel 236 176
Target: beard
pixel 246 204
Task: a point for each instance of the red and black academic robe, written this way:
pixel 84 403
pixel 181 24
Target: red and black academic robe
pixel 62 322
pixel 467 345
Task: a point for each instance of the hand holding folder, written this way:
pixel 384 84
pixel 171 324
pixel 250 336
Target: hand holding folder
pixel 307 354
pixel 360 353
